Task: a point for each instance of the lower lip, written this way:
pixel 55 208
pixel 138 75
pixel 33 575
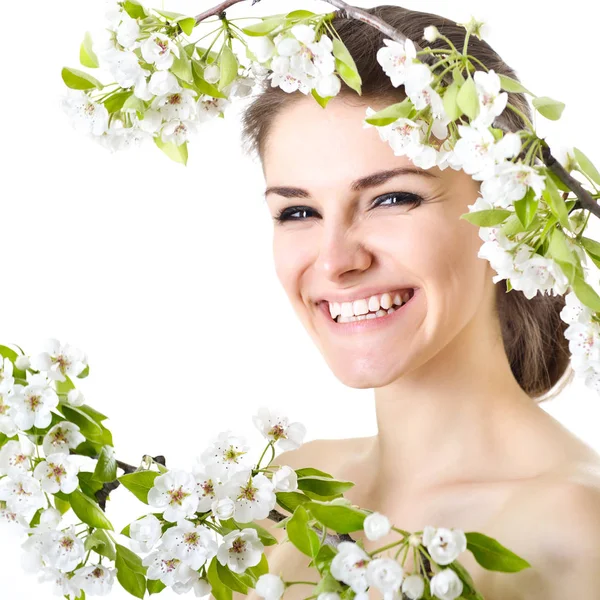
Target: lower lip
pixel 367 324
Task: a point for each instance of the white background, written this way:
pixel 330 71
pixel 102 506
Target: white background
pixel 163 274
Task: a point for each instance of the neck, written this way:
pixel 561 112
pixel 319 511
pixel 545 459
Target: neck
pixel 460 417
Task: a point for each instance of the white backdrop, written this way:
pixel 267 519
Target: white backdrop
pixel 163 274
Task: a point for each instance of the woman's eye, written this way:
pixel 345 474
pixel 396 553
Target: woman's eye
pixel 391 199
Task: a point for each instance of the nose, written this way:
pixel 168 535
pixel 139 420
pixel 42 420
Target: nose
pixel 340 254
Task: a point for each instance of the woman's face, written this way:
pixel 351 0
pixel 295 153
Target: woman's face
pixel 342 242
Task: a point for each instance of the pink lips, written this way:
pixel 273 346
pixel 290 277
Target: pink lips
pixel 368 324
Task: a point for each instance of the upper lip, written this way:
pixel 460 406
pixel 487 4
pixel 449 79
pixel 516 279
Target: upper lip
pixel 364 293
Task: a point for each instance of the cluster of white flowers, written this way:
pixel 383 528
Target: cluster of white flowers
pixel 141 62
pixel 297 62
pixel 221 484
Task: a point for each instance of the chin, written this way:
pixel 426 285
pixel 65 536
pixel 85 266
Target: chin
pixel 368 373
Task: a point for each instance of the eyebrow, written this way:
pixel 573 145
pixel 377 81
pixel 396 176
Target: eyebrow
pixel 357 185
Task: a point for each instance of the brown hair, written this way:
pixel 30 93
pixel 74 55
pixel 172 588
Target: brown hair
pixel 532 330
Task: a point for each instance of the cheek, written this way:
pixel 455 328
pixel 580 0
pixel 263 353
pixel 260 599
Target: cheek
pixel 290 257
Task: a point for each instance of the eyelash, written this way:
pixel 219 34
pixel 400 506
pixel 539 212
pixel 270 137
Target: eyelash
pixel 407 198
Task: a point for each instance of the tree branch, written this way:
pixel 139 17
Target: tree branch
pixel 584 197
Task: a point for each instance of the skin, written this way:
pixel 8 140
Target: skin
pixel 458 440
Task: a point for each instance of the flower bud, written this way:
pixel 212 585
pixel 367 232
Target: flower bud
pixel 75 397
pixel 285 479
pixel 446 585
pixel 223 508
pixel 22 362
pixel 270 587
pixel 212 73
pixel 376 526
pixel 413 586
pixel 431 33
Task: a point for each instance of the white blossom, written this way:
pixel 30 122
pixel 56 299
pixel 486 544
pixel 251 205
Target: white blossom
pixel 50 519
pixel 7 425
pixel 397 60
pixel 164 565
pixel 510 183
pixel 200 585
pixel 276 427
pixel 207 487
pixel 15 457
pixel 193 544
pixel 328 596
pixel 212 73
pixel 240 549
pixel 15 521
pixel 86 116
pixel 225 455
pixel 431 33
pixel 253 497
pixel 151 121
pixel 492 101
pixel 22 493
pixel 175 493
pixel 385 574
pixel 207 107
pixel 58 473
pixel 32 405
pixel 75 397
pixel 63 584
pixel 223 508
pixel 59 360
pixel 128 31
pixel 162 83
pixel 270 586
pixel 159 50
pixel 478 152
pixel 285 479
pixel 262 47
pixel 177 131
pixel 62 437
pixel 63 549
pixel 95 580
pixel 350 566
pixel 7 381
pixel 446 585
pixel 178 105
pixel 413 586
pixel 119 137
pixel 22 362
pixel 376 526
pixel 444 545
pixel 145 533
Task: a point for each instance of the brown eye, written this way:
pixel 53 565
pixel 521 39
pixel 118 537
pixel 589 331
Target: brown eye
pixel 398 198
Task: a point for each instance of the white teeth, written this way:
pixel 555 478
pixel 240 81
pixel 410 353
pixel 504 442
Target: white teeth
pixel 379 313
pixel 397 299
pixel 360 307
pixel 386 301
pixel 374 303
pixel 347 310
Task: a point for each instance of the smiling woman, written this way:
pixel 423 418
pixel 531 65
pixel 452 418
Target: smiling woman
pixel 460 365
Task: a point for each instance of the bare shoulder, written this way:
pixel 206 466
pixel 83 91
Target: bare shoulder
pixel 325 455
pixel 554 524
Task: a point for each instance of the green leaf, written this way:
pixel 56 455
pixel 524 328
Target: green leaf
pixel 290 500
pixel 173 151
pixel 586 293
pixel 492 555
pixel 182 67
pixel 84 373
pixel 87 57
pixel 323 486
pixel 139 483
pixel 100 543
pixel 512 85
pixel 230 579
pixel 88 511
pixel 134 9
pixel 559 249
pixel 299 15
pixel 341 519
pixel 309 471
pixel 349 75
pixel 322 101
pixel 451 102
pixel 79 80
pixel 202 86
pixel 106 467
pixel 300 533
pixel 586 165
pixel 92 430
pixel 155 586
pixel 467 98
pixel 549 108
pixel 219 590
pixel 260 569
pixel 130 571
pixel 88 484
pixel 228 64
pixel 265 26
pixel 115 102
pixel 187 25
pixel 487 218
pixel 35 520
pixel 327 584
pixel 93 413
pixel 391 113
pixel 457 76
pixel 591 247
pixel 556 203
pixel 526 207
pixel 61 505
pixel 64 387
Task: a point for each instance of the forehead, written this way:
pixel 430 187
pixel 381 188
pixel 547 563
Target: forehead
pixel 317 147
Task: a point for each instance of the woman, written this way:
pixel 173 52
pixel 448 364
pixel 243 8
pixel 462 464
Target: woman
pixel 458 365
